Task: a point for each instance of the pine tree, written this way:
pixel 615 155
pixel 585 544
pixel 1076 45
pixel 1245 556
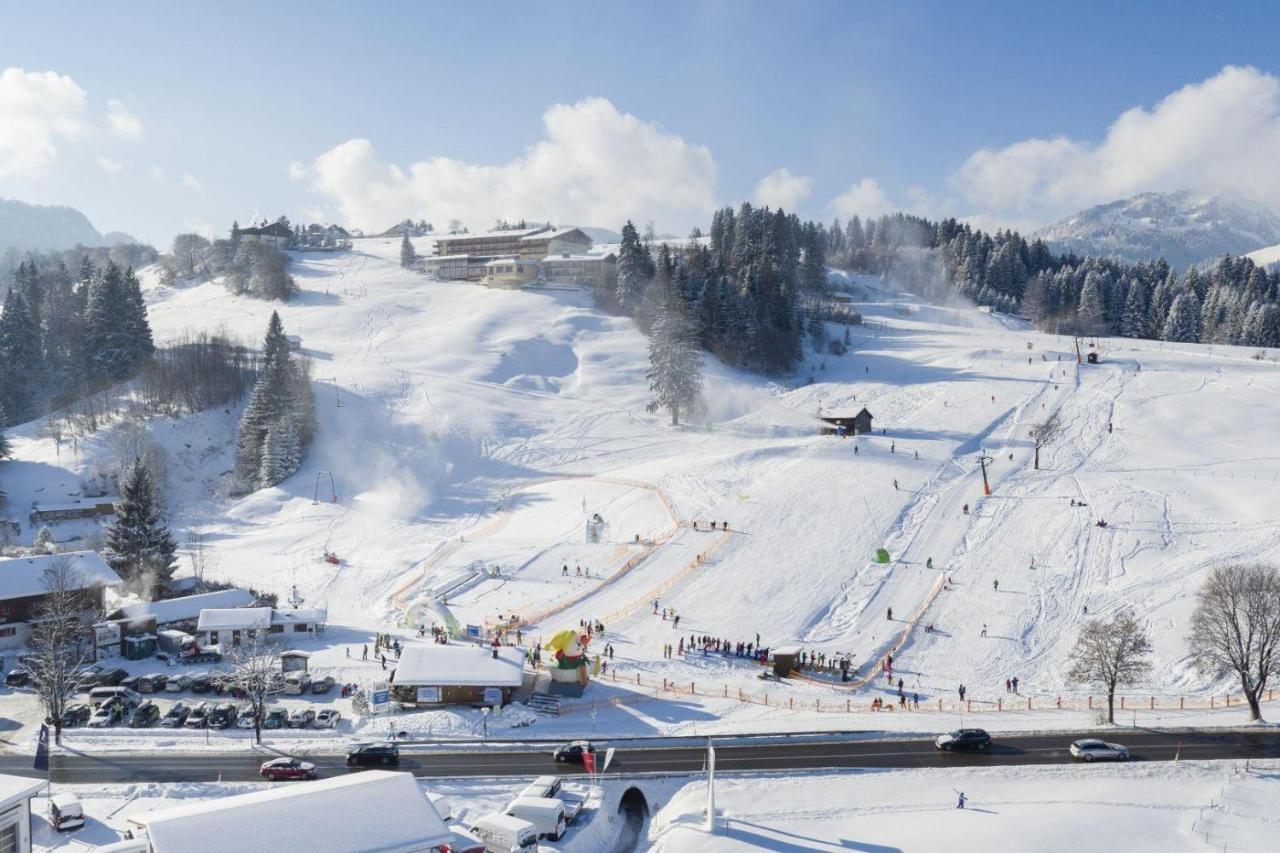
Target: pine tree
pixel 407 256
pixel 1137 313
pixel 281 405
pixel 1092 309
pixel 138 543
pixel 19 357
pixel 1183 323
pixel 110 349
pixel 633 270
pixel 280 452
pixel 137 329
pixel 675 362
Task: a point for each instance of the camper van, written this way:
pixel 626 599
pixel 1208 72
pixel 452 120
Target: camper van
pixel 65 812
pixel 130 698
pixel 505 834
pixel 545 813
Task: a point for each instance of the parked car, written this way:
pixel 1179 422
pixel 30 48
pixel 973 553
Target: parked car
pixel 76 715
pixel 107 715
pixel 275 718
pixel 175 716
pixel 301 718
pixel 88 677
pixel 322 685
pixel 99 695
pixel 65 812
pixel 199 716
pixel 177 683
pixel 202 684
pixel 552 787
pixel 374 754
pixel 573 751
pixel 131 682
pixel 327 719
pixel 296 683
pixel 287 768
pixel 145 715
pixel 16 678
pixel 110 677
pixel 974 740
pixel 152 682
pixel 1091 749
pixel 545 813
pixel 222 716
pixel 504 832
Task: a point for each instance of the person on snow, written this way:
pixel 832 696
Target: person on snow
pixel 995 585
pixel 564 570
pixel 889 614
pixel 960 803
pixel 895 485
pixel 855 450
pixel 675 623
pixel 1015 684
pixel 961 691
pixel 928 564
pixel 966 509
pixel 984 629
pixel 1008 686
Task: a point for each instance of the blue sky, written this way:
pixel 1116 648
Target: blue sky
pixel 994 111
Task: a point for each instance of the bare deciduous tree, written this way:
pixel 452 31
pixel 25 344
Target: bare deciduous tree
pixel 1043 434
pixel 202 558
pixel 255 675
pixel 1236 628
pixel 56 655
pixel 1111 652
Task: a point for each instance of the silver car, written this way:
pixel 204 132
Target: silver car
pixel 1090 749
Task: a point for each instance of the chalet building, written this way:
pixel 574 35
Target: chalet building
pixel 178 613
pixel 429 675
pixel 233 626
pixel 470 257
pixel 843 425
pixel 596 271
pixel 23 591
pixel 277 234
pixel 44 513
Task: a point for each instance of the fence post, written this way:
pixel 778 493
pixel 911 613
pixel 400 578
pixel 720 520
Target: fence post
pixel 1090 703
pixel 726 691
pixel 791 702
pixel 1028 703
pixel 846 706
pixel 637 678
pixel 817 705
pixel 1228 700
pixel 1153 703
pixel 999 704
pixel 968 705
pixel 693 689
pixel 1210 701
pixel 1059 703
pixel 1121 703
pixel 939 706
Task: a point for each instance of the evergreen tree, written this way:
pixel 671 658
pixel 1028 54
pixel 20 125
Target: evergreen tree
pixel 6 452
pixel 281 454
pixel 633 270
pixel 675 362
pixel 134 312
pixel 19 357
pixel 111 349
pixel 138 543
pixel 407 256
pixel 1091 312
pixel 1184 319
pixel 1136 322
pixel 280 413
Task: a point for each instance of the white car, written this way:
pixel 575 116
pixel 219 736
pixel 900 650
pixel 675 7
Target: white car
pixel 107 715
pixel 1089 749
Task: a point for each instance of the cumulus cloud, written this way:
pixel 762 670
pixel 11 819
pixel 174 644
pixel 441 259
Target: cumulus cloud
pixel 593 165
pixel 121 122
pixel 111 167
pixel 864 199
pixel 40 110
pixel 191 182
pixel 1220 133
pixel 782 189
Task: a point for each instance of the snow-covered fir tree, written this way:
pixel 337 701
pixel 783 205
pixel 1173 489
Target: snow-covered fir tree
pixel 407 256
pixel 1183 323
pixel 675 360
pixel 634 270
pixel 281 454
pixel 139 545
pixel 280 413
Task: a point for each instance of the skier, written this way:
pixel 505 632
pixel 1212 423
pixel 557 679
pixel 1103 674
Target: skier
pixel 928 564
pixel 961 691
pixel 1015 684
pixel 966 509
pixel 960 803
pixel 675 622
pixel 995 585
pixel 895 485
pixel 889 616
pixel 564 570
pixel 893 447
pixel 984 629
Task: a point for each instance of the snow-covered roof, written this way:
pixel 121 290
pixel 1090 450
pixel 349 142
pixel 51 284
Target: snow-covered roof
pixel 15 788
pixel 377 810
pixel 551 259
pixel 291 615
pixel 188 607
pixel 516 233
pixel 558 233
pixel 72 506
pixel 463 665
pixel 228 619
pixel 21 577
pixel 500 261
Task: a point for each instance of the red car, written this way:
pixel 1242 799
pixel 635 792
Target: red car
pixel 287 768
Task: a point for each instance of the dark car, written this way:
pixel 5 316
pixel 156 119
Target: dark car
pixel 275 718
pixel 144 716
pixel 152 682
pixel 76 715
pixel 287 768
pixel 301 718
pixel 88 678
pixel 972 740
pixel 110 677
pixel 222 716
pixel 374 754
pixel 199 716
pixel 16 678
pixel 573 751
pixel 176 716
pixel 322 685
pixel 202 684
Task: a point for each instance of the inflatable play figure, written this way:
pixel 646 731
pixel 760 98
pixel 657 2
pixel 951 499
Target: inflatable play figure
pixel 569 656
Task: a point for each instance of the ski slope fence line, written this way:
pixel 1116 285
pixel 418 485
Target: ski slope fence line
pixel 398 596
pixel 666 586
pixel 1011 704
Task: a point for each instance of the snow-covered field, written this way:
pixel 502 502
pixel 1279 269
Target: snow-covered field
pixel 468 427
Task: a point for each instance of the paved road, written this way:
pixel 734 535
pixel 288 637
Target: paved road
pixel 1145 745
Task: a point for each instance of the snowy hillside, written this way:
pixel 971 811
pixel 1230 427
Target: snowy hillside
pixel 40 228
pixel 1267 257
pixel 1185 228
pixel 467 426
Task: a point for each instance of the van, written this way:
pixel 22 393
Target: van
pixel 552 787
pixel 545 813
pixel 505 834
pixel 296 683
pixel 65 812
pixel 98 695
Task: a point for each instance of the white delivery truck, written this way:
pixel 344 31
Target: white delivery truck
pixel 545 813
pixel 505 834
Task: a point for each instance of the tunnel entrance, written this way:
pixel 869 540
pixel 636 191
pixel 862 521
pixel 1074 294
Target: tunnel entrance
pixel 634 809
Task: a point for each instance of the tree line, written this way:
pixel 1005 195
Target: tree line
pixel 248 267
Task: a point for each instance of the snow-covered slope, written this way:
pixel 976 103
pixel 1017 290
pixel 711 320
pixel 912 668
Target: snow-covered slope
pixel 1268 257
pixel 1185 228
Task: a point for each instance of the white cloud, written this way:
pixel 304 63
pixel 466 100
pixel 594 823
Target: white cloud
pixel 191 182
pixel 111 167
pixel 39 110
pixel 594 165
pixel 863 199
pixel 782 189
pixel 1221 133
pixel 121 122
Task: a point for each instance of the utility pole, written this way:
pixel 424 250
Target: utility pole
pixel 986 485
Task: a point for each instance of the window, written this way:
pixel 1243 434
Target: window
pixel 276 629
pixel 11 631
pixel 299 628
pixel 10 827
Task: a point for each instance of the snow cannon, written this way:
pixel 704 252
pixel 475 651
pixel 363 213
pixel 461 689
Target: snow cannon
pixel 569 655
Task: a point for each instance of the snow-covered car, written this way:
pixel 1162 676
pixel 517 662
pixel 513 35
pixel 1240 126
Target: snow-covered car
pixel 1091 749
pixel 107 715
pixel 144 716
pixel 287 768
pixel 175 716
pixel 246 717
pixel 322 685
pixel 152 682
pixel 327 719
pixel 16 678
pixel 275 718
pixel 223 716
pixel 974 740
pixel 65 812
pixel 177 683
pixel 76 715
pixel 301 718
pixel 199 716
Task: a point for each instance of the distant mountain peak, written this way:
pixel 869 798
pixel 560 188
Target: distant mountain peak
pixel 43 228
pixel 1185 227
